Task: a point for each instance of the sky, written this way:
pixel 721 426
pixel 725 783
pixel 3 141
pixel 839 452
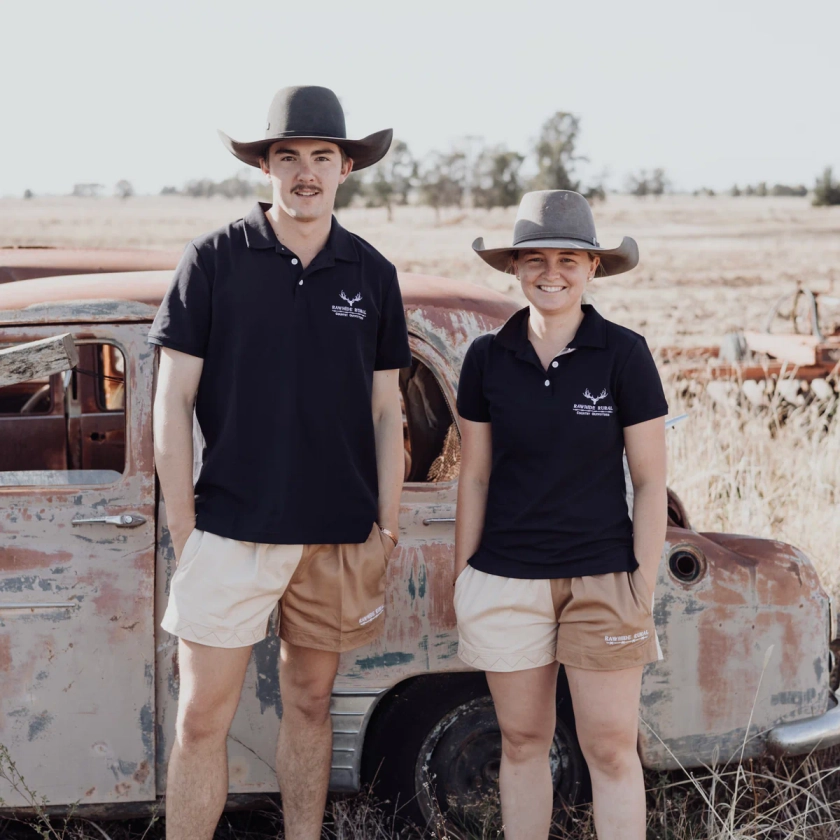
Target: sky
pixel 714 92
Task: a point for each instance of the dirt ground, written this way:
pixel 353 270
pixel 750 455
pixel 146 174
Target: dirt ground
pixel 708 264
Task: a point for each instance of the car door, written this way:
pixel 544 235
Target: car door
pixel 77 549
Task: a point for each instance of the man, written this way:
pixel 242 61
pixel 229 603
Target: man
pixel 286 332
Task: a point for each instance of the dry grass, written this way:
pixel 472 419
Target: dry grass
pixel 709 265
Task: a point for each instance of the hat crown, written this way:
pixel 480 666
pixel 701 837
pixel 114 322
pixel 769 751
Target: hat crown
pixel 554 214
pixel 305 111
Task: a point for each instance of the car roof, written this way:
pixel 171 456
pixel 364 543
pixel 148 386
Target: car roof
pixel 27 262
pixel 136 296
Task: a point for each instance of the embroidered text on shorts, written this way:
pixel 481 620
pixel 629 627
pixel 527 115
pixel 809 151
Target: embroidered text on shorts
pixel 622 640
pixel 372 615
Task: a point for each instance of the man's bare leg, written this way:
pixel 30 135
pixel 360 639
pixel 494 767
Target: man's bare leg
pixel 525 704
pixel 606 705
pixel 304 746
pixel 197 778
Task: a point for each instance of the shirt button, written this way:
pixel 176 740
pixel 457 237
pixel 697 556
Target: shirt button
pixel 547 382
pixel 294 261
pixel 554 364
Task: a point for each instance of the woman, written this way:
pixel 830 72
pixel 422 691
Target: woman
pixel 549 567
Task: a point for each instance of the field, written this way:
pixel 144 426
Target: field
pixel 709 265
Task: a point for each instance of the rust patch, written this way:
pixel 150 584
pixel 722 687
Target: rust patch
pixel 5 653
pixel 142 772
pixel 122 788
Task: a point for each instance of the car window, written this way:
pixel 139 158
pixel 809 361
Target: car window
pixel 432 443
pixel 68 429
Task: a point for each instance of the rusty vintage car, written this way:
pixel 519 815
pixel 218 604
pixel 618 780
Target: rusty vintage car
pixel 90 681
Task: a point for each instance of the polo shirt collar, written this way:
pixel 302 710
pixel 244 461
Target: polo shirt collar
pixel 592 331
pixel 260 235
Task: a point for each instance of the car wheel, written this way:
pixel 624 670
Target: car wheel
pixel 433 752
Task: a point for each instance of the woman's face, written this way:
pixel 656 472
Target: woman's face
pixel 553 280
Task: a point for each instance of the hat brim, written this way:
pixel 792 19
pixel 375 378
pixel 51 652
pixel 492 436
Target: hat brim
pixel 364 152
pixel 613 260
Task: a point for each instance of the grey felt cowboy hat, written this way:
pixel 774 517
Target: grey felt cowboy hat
pixel 311 113
pixel 558 219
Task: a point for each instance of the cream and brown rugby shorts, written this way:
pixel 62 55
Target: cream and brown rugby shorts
pixel 331 597
pixel 597 622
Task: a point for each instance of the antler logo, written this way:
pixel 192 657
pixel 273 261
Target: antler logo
pixel 351 301
pixel 595 399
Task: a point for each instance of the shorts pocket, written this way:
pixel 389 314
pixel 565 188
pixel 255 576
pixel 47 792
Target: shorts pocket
pixel 639 588
pixel 190 547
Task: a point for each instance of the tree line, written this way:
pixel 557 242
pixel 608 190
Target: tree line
pixel 472 174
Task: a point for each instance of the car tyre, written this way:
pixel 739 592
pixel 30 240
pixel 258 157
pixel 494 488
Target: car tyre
pixel 433 749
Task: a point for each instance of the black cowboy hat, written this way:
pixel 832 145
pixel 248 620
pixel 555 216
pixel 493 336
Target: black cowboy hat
pixel 311 113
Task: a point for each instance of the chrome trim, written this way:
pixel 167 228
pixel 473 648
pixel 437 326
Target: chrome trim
pixel 440 519
pixel 57 605
pixel 350 712
pixel 803 736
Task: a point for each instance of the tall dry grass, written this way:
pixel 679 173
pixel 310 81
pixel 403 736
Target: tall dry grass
pixel 769 471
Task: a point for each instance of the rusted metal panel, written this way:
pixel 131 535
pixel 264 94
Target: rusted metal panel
pixel 76 646
pixel 756 599
pixel 25 263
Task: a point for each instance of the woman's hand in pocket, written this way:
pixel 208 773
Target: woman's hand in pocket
pixel 180 532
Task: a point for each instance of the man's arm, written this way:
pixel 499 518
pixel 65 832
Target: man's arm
pixel 178 378
pixel 390 458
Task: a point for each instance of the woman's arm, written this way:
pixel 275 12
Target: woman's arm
pixel 476 459
pixel 645 445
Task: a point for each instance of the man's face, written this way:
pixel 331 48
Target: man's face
pixel 304 176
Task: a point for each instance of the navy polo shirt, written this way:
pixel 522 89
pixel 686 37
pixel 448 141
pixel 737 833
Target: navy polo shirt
pixel 284 400
pixel 556 500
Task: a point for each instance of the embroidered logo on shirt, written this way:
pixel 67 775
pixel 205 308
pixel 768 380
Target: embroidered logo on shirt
pixel 351 310
pixel 594 410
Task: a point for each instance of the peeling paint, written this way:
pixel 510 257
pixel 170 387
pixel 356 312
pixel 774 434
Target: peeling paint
pixel 384 660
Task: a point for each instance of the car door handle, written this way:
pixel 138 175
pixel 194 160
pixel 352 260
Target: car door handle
pixel 124 520
pixel 439 519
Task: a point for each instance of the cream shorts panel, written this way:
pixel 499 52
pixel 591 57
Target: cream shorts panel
pixel 331 597
pixel 597 622
pixel 224 591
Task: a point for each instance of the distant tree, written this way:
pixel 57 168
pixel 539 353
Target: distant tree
pixel 785 189
pixel 443 180
pixel 659 182
pixel 761 189
pixel 496 181
pixel 596 192
pixel 735 191
pixel 123 189
pixel 639 183
pixel 645 183
pixel 347 192
pixel 826 190
pixel 87 190
pixel 554 151
pixel 28 194
pixel 393 178
pixel 749 190
pixel 169 191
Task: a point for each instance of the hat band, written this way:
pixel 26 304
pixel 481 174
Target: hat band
pixel 549 235
pixel 281 135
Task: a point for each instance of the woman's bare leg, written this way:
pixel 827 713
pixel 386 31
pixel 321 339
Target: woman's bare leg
pixel 525 707
pixel 606 705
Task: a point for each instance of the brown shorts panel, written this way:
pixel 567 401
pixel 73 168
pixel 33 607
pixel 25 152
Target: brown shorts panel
pixel 605 621
pixel 336 598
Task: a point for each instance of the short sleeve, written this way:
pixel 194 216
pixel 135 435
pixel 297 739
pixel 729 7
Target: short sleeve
pixel 471 403
pixel 639 393
pixel 392 350
pixel 183 320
